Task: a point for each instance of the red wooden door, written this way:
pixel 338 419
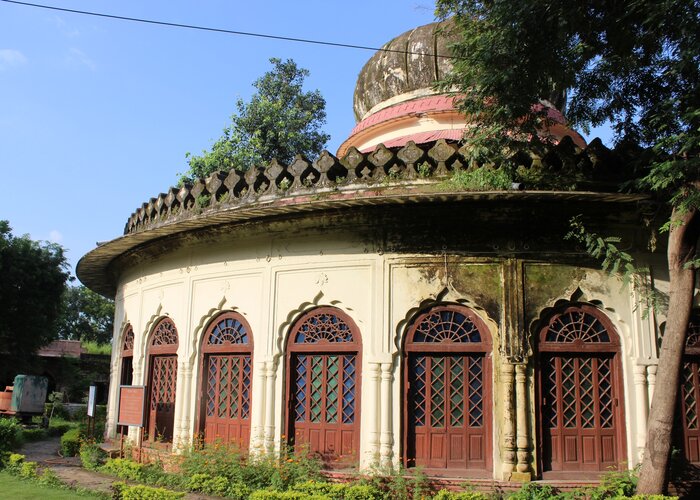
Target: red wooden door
pixel 162 401
pixel 162 381
pixel 447 410
pixel 323 385
pixel 227 351
pixel 580 427
pixel 227 413
pixel 690 409
pixel 323 408
pixel 581 414
pixel 447 426
pixel 689 397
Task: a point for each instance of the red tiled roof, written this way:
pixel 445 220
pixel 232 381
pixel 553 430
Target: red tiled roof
pixel 421 138
pixel 422 105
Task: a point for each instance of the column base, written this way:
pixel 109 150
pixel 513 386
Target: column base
pixel 520 477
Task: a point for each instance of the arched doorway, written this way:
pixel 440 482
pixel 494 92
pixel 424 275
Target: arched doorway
pixel 689 397
pixel 581 396
pixel 126 367
pixel 323 385
pixel 227 350
pixel 162 380
pixel 447 407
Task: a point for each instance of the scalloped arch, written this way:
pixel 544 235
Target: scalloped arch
pixel 445 296
pixel 579 297
pixel 285 327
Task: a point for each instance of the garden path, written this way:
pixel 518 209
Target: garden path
pixel 70 471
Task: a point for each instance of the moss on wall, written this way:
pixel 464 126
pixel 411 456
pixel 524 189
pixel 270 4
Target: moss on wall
pixel 482 283
pixel 545 283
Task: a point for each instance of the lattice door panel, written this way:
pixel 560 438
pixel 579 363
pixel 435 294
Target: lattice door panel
pixel 227 392
pixel 323 404
pixel 447 412
pixel 580 413
pixel 690 409
pixel 162 397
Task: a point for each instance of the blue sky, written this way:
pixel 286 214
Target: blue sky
pixel 96 115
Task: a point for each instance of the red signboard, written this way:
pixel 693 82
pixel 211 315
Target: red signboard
pixel 131 401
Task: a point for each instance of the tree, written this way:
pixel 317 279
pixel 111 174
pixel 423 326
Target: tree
pixel 280 121
pixel 632 63
pixel 85 316
pixel 33 280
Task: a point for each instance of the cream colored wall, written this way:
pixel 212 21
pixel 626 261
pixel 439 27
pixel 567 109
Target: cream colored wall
pixel 272 280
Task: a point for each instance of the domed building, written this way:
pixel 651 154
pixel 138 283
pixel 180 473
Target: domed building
pixel 366 307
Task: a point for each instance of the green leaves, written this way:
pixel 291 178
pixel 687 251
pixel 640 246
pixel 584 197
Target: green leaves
pixel 280 121
pixel 85 315
pixel 34 276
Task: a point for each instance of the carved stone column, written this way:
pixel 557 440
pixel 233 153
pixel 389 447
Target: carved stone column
pixel 651 380
pixel 387 436
pixel 259 393
pixel 523 434
pixel 641 392
pixel 271 376
pixel 508 446
pixel 374 408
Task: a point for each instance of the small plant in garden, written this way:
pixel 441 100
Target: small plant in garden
pixel 91 455
pixel 10 434
pixel 70 443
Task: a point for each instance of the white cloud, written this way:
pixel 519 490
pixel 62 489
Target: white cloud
pixel 10 58
pixel 77 57
pixel 55 236
pixel 64 28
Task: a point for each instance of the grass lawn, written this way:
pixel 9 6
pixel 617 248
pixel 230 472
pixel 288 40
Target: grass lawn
pixel 22 489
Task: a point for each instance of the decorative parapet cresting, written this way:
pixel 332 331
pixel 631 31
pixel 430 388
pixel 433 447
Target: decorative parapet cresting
pixel 410 164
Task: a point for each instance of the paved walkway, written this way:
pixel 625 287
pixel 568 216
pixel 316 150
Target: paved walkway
pixel 70 471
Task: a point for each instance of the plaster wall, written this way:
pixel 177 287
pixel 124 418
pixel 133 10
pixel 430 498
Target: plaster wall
pixel 271 280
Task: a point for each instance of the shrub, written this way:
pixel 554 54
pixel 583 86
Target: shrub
pixel 284 495
pixel 218 485
pixel 124 468
pixel 361 492
pixel 348 491
pixel 461 495
pixel 238 491
pixel 30 435
pixel 91 455
pixel 14 463
pixel 58 426
pixel 141 492
pixel 28 470
pixel 10 434
pixel 70 443
pixel 613 484
pixel 533 491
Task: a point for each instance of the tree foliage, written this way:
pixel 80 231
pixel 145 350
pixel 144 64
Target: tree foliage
pixel 85 316
pixel 280 121
pixel 634 64
pixel 33 280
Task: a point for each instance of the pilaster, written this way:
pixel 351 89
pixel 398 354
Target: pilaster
pixel 387 436
pixel 508 445
pixel 523 431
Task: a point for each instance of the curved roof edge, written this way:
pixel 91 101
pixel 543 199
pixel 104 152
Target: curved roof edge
pixel 411 174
